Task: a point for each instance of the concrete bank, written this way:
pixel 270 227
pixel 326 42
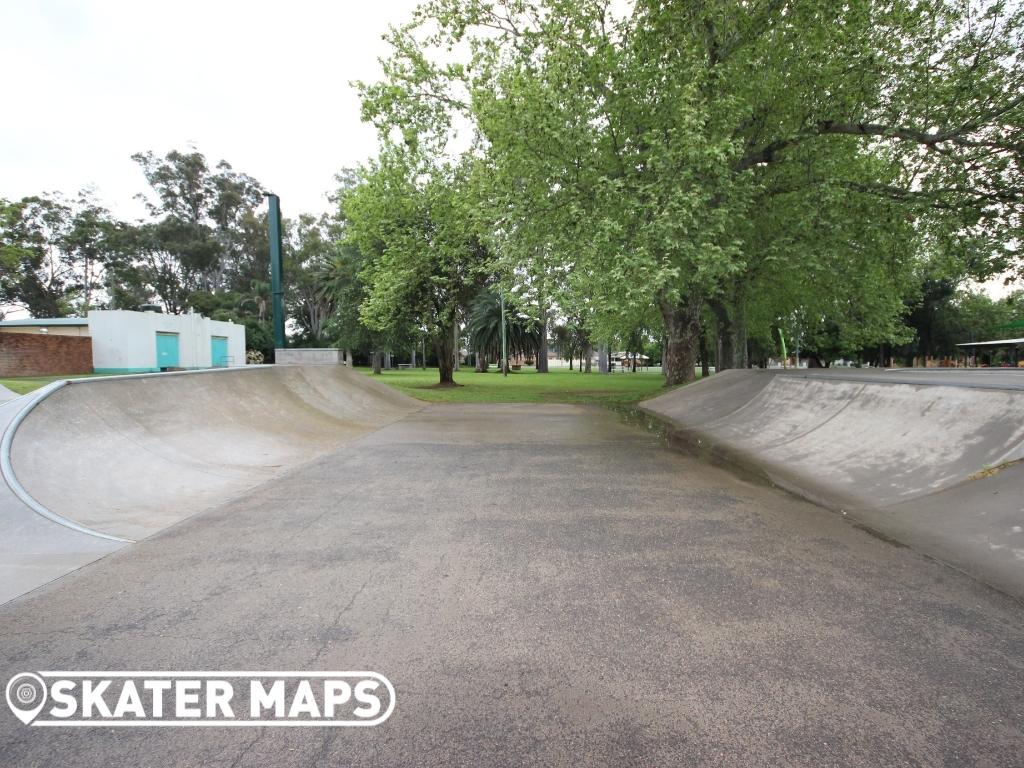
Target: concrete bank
pixel 926 458
pixel 124 457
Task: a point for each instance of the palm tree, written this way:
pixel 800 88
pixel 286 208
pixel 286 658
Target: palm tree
pixel 484 328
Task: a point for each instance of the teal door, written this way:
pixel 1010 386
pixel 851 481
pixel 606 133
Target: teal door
pixel 167 351
pixel 219 351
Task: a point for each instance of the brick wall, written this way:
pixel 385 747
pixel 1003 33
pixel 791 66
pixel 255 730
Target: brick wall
pixel 35 354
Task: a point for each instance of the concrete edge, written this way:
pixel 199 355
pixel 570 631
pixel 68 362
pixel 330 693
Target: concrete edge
pixel 704 444
pixel 694 441
pixel 123 376
pixel 11 479
pixel 36 397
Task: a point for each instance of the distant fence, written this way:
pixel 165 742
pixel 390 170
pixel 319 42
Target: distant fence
pixel 38 354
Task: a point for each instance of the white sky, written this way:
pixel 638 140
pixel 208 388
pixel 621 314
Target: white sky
pixel 263 85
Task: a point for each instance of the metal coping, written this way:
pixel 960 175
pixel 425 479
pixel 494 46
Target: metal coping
pixel 7 469
pixel 38 396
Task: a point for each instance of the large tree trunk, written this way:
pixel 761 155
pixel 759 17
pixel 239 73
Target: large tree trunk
pixel 542 350
pixel 376 362
pixel 413 357
pixel 741 349
pixel 724 335
pixel 602 359
pixel 682 332
pixel 445 348
pixel 731 330
pixel 705 369
pixel 481 361
pixel 588 352
pixel 348 357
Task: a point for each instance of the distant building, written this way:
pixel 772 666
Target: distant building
pixel 122 342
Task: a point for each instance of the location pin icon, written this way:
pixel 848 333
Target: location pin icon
pixel 26 695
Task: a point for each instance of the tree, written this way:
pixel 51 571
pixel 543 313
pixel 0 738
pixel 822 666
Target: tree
pixel 54 252
pixel 424 260
pixel 312 262
pixel 652 139
pixel 522 333
pixel 203 233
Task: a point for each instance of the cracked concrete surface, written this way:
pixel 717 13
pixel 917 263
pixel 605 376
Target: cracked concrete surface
pixel 544 585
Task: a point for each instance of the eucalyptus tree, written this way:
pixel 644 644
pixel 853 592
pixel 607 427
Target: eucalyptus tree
pixel 53 253
pixel 650 138
pixel 199 236
pixel 36 276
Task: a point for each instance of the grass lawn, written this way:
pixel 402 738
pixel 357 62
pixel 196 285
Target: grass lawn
pixel 25 384
pixel 527 386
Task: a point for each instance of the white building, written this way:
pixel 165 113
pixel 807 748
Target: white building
pixel 142 342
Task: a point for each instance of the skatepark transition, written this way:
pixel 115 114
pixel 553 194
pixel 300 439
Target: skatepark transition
pixel 928 458
pixel 93 464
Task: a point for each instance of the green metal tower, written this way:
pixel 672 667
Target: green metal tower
pixel 276 271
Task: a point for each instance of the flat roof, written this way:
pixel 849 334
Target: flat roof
pixel 996 343
pixel 47 321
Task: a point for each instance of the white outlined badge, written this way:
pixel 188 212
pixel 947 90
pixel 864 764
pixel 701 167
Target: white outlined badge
pixel 200 698
pixel 26 696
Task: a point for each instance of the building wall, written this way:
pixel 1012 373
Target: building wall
pixel 51 330
pixel 39 354
pixel 125 342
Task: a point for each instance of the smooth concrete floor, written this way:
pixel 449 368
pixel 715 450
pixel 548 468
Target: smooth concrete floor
pixel 544 585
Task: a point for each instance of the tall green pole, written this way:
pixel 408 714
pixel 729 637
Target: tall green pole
pixel 276 270
pixel 504 340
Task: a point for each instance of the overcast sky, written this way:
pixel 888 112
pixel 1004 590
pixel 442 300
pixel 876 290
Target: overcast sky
pixel 262 85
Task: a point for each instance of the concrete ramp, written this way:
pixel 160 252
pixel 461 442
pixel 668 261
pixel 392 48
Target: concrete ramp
pixel 125 457
pixel 33 549
pixel 920 458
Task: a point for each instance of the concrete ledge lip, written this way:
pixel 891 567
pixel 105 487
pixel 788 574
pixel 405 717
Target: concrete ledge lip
pixel 309 356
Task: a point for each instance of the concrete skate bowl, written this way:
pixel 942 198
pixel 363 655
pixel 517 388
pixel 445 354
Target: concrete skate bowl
pixel 128 456
pixel 931 465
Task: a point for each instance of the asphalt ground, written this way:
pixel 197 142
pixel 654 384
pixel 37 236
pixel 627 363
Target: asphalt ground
pixel 543 585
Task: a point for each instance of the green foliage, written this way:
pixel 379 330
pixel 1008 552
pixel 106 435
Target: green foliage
pixel 527 386
pixel 52 253
pixel 972 316
pixel 203 236
pixel 422 258
pixel 522 333
pixel 312 263
pixel 204 248
pixel 785 162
